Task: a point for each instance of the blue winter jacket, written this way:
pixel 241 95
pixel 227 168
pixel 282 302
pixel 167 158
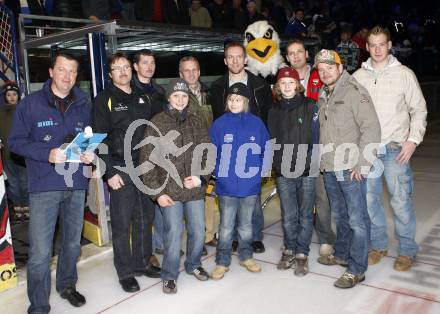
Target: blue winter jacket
pixel 239 177
pixel 38 127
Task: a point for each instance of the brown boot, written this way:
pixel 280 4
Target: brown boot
pixel 154 261
pixel 374 256
pixel 403 263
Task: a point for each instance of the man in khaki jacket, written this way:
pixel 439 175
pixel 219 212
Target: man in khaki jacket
pixel 349 133
pixel 401 108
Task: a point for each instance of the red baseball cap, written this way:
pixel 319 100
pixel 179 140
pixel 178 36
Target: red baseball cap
pixel 288 72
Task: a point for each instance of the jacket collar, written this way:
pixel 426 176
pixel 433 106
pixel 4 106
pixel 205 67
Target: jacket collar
pixel 292 103
pixel 392 62
pixel 76 94
pixel 137 84
pixel 345 76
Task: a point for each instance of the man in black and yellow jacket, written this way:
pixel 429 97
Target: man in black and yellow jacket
pixel 114 111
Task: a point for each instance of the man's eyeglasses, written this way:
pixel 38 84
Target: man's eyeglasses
pixel 125 68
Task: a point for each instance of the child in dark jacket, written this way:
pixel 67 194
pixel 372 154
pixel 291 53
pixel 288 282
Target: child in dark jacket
pixel 178 188
pixel 293 123
pixel 240 138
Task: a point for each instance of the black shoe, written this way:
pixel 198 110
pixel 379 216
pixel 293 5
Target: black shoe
pixel 169 286
pixel 258 247
pixel 74 297
pixel 205 251
pixel 234 246
pixel 150 271
pixel 129 284
pixel 200 273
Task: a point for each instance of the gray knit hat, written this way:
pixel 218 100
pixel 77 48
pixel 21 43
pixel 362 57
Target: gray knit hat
pixel 176 85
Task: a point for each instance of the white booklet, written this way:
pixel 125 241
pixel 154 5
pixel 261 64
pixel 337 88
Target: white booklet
pixel 86 141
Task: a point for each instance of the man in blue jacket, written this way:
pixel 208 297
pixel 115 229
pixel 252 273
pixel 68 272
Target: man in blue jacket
pixel 43 122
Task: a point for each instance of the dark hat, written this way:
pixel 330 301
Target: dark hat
pixel 239 89
pixel 176 85
pixel 11 86
pixel 288 72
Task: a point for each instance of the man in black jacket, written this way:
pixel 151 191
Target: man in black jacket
pixel 114 111
pixel 144 64
pixel 259 103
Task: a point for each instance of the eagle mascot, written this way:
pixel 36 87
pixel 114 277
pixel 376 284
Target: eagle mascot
pixel 262 45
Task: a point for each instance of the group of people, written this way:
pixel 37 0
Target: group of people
pixel 327 137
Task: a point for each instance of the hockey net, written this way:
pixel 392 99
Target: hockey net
pixel 7 45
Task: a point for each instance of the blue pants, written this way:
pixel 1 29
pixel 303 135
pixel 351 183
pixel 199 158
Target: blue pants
pixel 349 207
pixel 257 222
pixel 235 214
pixel 194 214
pixel 45 209
pixel 323 219
pixel 16 183
pixel 297 197
pixel 158 228
pixel 399 181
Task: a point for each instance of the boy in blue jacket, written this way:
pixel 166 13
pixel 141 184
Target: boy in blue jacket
pixel 240 138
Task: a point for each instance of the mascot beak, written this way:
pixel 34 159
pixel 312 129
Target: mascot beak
pixel 261 49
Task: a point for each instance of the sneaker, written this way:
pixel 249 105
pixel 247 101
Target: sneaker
pixel 154 261
pixel 25 212
pixel 301 265
pixel 374 256
pixel 403 263
pixel 212 243
pixel 18 211
pixel 219 272
pixel 331 260
pixel 326 249
pixel 258 247
pixel 348 280
pixel 200 274
pixel 251 265
pixel 287 260
pixel 169 286
pixel 204 251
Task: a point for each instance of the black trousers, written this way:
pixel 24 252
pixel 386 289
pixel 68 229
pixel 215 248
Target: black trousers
pixel 131 213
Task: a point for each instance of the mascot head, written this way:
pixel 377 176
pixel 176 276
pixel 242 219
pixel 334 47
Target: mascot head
pixel 262 45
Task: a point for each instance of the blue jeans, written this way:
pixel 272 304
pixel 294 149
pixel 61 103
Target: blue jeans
pixel 323 219
pixel 235 214
pixel 257 222
pixel 158 228
pixel 45 209
pixel 297 197
pixel 16 183
pixel 399 181
pixel 349 207
pixel 194 214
